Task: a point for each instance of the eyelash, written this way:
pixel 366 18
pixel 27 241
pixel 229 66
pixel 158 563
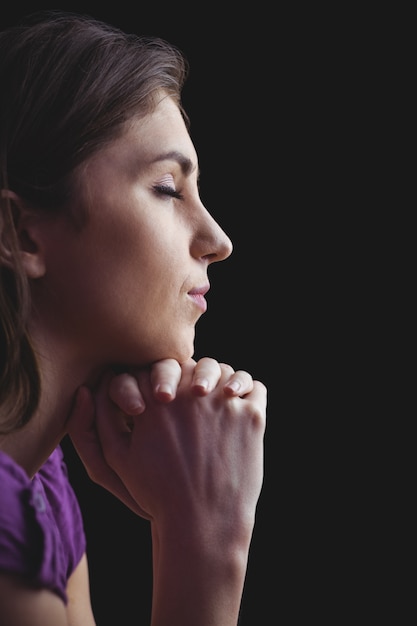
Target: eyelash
pixel 164 190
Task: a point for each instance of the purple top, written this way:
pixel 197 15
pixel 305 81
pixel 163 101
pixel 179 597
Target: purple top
pixel 41 528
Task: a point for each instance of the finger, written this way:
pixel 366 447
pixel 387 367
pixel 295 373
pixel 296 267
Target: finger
pixel 207 374
pixel 83 433
pixel 165 376
pixel 239 383
pixel 125 393
pixel 111 422
pixel 80 424
pixel 259 398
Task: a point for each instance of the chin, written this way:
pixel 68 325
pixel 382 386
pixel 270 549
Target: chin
pixel 183 355
pixel 180 347
pixel 180 352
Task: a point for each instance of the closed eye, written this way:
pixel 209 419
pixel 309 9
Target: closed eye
pixel 165 190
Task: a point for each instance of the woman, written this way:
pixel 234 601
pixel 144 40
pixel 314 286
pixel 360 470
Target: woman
pixel 104 252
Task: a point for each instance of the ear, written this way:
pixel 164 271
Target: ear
pixel 27 227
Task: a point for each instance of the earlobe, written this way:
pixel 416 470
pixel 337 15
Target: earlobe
pixel 19 235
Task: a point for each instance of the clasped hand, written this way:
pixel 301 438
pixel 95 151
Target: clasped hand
pixel 175 440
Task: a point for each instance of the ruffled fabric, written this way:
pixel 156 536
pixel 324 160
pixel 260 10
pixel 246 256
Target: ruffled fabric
pixel 42 535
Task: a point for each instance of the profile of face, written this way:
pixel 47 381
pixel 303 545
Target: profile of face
pixel 129 286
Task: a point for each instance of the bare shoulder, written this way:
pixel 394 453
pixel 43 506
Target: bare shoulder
pixel 22 604
pixel 79 602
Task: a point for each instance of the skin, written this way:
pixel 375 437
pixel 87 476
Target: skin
pixel 127 289
pixel 141 247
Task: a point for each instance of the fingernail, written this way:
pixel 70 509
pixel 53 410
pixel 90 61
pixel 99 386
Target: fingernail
pixel 164 389
pixel 201 383
pixel 136 408
pixel 234 386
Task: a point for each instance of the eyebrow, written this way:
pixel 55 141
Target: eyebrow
pixel 184 162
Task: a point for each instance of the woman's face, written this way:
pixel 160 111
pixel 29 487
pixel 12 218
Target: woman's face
pixel 129 287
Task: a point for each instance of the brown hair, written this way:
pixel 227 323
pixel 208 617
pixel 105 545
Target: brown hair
pixel 69 83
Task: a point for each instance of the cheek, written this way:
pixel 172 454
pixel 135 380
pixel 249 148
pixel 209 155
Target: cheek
pixel 117 288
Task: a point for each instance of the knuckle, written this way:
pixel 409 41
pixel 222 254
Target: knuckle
pixel 207 361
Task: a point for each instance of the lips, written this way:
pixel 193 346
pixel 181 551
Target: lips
pixel 197 296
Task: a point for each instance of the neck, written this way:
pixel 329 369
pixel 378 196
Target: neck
pixel 31 445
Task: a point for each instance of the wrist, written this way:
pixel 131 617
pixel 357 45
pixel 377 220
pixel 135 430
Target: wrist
pixel 198 577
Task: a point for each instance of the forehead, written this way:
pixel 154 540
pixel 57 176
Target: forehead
pixel 145 138
pixel 146 147
pixel 164 129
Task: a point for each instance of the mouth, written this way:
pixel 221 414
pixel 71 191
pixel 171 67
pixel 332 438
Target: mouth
pixel 197 296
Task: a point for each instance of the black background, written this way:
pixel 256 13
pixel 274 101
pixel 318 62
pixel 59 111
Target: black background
pixel 261 119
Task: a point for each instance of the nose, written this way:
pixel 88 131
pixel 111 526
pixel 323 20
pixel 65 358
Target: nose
pixel 210 241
